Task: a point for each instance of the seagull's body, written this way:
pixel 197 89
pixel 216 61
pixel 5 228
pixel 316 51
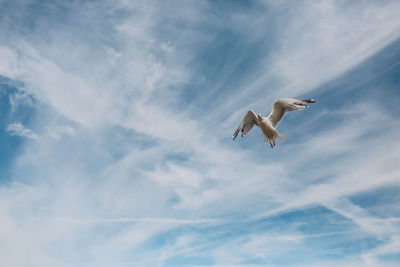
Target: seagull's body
pixel 269 124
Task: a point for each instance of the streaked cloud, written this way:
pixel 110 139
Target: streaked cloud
pixel 19 130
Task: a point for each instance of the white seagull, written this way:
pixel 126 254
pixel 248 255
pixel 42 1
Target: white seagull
pixel 269 124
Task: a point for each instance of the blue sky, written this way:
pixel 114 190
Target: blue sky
pixel 116 122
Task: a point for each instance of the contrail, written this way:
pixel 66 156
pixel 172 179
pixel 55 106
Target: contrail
pixel 127 220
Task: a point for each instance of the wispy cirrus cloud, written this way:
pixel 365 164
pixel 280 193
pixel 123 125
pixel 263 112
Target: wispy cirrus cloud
pixel 19 130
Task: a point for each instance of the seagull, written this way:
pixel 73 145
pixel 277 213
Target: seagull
pixel 269 124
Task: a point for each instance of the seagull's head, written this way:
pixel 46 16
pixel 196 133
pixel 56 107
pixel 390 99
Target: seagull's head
pixel 260 116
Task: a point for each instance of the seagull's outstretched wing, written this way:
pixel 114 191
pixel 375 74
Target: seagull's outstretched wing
pixel 247 123
pixel 285 105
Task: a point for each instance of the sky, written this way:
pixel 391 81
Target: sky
pixel 116 123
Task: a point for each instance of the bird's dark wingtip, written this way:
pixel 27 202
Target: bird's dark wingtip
pixel 310 100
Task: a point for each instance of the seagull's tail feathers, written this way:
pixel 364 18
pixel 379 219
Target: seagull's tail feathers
pixel 281 137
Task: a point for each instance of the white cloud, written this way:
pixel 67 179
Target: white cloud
pixel 326 39
pixel 317 42
pixel 20 130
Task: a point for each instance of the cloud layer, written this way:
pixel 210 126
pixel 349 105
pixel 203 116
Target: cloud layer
pixel 126 157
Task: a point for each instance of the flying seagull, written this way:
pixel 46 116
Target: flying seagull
pixel 269 124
